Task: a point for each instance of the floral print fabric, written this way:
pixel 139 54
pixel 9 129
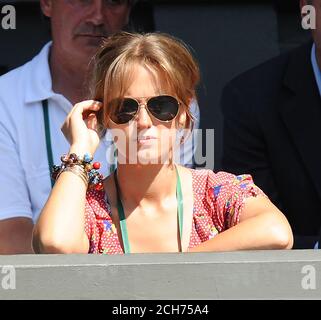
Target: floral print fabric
pixel 218 202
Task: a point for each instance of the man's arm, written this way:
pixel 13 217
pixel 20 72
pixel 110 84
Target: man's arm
pixel 15 208
pixel 244 148
pixel 15 236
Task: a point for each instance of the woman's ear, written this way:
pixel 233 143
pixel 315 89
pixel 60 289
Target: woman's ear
pixel 182 120
pixel 101 123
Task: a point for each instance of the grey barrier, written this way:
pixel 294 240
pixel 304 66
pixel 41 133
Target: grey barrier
pixel 230 275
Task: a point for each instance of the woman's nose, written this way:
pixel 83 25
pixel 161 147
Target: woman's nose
pixel 143 118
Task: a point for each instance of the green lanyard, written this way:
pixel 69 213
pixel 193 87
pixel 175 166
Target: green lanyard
pixel 123 226
pixel 48 140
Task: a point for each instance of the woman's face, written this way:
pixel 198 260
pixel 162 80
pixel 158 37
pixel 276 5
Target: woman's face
pixel 144 139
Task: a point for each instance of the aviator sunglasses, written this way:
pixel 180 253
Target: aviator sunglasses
pixel 164 108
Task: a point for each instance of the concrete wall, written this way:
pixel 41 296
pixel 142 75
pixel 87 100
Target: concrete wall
pixel 234 275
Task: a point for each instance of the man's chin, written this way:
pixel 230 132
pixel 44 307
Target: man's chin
pixel 87 50
pixel 92 43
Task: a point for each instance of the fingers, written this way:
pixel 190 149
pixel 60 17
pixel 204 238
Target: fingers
pixel 80 111
pixel 91 121
pixel 85 107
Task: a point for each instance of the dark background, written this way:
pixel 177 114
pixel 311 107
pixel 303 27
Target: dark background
pixel 227 38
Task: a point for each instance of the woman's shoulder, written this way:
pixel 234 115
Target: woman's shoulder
pixel 205 178
pixel 222 195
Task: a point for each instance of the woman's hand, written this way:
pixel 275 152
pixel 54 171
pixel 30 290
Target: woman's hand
pixel 80 127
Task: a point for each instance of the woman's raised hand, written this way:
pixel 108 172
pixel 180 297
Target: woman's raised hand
pixel 81 127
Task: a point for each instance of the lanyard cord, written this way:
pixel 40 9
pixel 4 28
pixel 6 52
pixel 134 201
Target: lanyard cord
pixel 122 220
pixel 123 226
pixel 48 139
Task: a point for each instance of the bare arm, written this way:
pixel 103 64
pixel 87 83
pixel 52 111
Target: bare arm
pixel 15 236
pixel 61 225
pixel 262 226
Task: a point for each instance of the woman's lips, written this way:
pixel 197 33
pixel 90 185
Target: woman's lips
pixel 146 139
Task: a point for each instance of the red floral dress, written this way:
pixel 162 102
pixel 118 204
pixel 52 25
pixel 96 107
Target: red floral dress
pixel 218 201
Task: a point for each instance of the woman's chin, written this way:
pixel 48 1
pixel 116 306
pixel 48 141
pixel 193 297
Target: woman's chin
pixel 149 156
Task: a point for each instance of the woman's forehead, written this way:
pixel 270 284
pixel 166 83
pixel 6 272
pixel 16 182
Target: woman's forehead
pixel 143 80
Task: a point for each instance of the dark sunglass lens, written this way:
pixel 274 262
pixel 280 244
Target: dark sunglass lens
pixel 123 110
pixel 164 108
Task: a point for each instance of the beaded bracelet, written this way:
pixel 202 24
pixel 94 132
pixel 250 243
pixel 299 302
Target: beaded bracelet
pixel 78 171
pixel 87 171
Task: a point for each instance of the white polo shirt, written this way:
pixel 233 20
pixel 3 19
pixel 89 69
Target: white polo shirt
pixel 24 172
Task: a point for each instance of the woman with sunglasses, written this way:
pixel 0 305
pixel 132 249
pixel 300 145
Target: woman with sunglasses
pixel 142 88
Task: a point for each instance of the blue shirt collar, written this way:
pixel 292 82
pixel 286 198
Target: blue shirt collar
pixel 316 69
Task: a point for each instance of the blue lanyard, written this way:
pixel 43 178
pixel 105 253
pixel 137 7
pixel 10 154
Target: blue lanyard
pixel 122 219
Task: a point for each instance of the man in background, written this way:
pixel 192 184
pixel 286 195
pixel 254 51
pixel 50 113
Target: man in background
pixel 272 130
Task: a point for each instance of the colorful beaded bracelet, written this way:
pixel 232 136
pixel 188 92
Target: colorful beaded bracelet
pixel 91 170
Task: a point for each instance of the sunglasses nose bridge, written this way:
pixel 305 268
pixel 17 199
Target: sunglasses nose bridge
pixel 142 103
pixel 141 106
pixel 144 117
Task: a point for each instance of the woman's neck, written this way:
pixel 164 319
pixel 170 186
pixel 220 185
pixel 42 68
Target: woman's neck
pixel 146 183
